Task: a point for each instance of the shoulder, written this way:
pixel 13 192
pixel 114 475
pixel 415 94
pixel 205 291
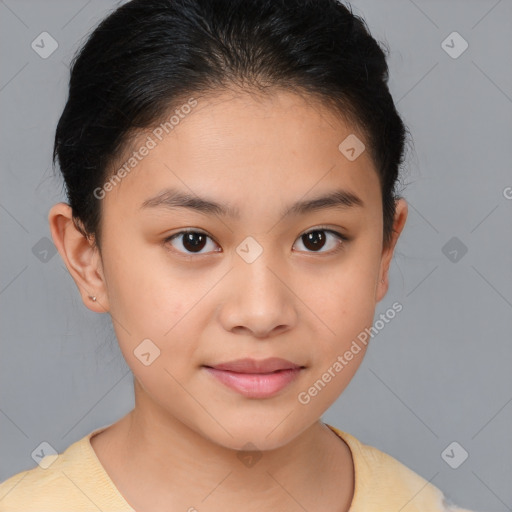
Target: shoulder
pixel 384 483
pixel 34 487
pixel 71 477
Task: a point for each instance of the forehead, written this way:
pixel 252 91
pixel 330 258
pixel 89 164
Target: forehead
pixel 242 148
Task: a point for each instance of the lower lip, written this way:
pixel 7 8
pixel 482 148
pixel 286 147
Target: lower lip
pixel 256 385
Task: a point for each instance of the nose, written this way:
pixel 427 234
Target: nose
pixel 260 300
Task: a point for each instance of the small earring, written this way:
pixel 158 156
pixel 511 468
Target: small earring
pixel 93 298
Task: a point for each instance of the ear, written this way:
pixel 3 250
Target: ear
pixel 387 252
pixel 81 256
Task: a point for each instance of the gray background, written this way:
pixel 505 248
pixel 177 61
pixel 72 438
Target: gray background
pixel 439 372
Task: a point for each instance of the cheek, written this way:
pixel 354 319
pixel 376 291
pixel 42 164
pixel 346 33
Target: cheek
pixel 346 309
pixel 347 294
pixel 344 302
pixel 141 287
pixel 148 301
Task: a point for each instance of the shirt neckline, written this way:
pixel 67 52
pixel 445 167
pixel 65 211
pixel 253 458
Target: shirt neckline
pixel 353 446
pixel 349 440
pixel 91 454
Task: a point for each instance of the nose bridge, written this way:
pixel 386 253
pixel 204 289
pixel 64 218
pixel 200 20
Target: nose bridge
pixel 261 300
pixel 259 283
pixel 259 278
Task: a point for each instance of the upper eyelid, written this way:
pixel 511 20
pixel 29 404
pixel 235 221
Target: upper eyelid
pixel 342 237
pixel 200 231
pixel 191 230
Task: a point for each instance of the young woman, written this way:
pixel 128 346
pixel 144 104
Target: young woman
pixel 230 167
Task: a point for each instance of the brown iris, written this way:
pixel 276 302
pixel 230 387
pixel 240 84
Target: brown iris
pixel 194 242
pixel 314 240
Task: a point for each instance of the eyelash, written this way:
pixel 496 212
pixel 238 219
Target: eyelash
pixel 190 255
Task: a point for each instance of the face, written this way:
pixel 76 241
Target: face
pixel 267 273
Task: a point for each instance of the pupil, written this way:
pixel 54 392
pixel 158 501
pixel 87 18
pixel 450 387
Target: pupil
pixel 315 240
pixel 194 241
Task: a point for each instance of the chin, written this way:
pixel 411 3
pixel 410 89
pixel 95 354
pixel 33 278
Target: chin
pixel 254 435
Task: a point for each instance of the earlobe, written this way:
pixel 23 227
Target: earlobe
pixel 401 211
pixel 80 256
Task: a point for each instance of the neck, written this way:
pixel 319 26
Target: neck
pixel 161 460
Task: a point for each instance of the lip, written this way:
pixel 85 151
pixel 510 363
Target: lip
pixel 249 365
pixel 256 379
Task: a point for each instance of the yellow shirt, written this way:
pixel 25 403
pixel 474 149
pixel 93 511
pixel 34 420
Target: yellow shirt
pixel 77 482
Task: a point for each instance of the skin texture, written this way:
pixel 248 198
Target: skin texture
pixel 179 445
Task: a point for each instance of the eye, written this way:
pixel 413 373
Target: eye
pixel 315 239
pixel 192 241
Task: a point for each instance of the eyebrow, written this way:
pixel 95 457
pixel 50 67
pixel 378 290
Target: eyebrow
pixel 173 198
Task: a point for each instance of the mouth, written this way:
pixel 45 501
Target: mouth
pixel 256 379
pixel 247 365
